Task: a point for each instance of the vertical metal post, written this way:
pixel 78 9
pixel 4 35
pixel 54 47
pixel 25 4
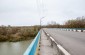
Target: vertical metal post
pixel 76 30
pixel 40 26
pixel 81 30
pixel 40 22
pixel 72 29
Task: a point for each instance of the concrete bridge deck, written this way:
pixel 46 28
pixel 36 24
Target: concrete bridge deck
pixel 57 42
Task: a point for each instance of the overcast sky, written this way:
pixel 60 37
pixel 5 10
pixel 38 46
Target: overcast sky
pixel 29 12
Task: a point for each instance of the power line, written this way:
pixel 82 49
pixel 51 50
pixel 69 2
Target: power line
pixel 41 8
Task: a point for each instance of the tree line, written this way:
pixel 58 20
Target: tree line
pixel 10 33
pixel 79 22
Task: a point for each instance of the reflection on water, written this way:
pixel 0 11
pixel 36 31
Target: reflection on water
pixel 14 48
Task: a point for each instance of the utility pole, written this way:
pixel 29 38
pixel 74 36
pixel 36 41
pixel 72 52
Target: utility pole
pixel 41 22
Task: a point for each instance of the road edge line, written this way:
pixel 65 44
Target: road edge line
pixel 59 46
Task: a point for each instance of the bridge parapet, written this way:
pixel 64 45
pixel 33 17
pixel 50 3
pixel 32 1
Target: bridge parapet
pixel 73 29
pixel 31 50
pixel 58 48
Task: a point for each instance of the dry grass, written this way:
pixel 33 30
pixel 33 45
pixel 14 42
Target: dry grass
pixel 17 33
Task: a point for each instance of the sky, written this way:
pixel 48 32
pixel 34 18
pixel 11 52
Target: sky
pixel 29 12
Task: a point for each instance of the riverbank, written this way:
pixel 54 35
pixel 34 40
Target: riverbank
pixel 14 34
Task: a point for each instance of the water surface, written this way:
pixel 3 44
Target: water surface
pixel 14 48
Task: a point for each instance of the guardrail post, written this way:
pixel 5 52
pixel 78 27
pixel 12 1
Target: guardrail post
pixel 56 48
pixel 51 43
pixel 81 30
pixel 72 29
pixel 66 29
pixel 76 30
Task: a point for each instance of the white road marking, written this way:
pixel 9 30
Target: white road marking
pixel 52 39
pixel 48 34
pixel 59 46
pixel 63 50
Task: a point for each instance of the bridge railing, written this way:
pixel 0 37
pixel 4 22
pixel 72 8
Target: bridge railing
pixel 72 29
pixel 33 46
pixel 59 50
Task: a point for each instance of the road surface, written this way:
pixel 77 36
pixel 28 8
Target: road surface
pixel 73 42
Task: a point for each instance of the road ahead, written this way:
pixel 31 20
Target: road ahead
pixel 73 42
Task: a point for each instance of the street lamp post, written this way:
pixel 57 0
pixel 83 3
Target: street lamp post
pixel 40 22
pixel 41 25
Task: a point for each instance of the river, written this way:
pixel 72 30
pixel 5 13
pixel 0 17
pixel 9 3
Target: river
pixel 14 48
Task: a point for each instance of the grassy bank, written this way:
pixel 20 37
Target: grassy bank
pixel 13 34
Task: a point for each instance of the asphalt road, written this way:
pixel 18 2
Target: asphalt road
pixel 73 42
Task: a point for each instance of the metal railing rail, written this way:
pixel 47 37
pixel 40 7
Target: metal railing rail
pixel 32 48
pixel 59 49
pixel 76 29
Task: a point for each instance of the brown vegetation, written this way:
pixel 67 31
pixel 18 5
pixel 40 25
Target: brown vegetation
pixel 8 33
pixel 17 33
pixel 74 23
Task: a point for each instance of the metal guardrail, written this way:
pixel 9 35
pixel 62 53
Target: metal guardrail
pixel 76 29
pixel 32 48
pixel 58 48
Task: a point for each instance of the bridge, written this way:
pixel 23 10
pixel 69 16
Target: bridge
pixel 58 41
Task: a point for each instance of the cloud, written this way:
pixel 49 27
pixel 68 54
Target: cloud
pixel 29 12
